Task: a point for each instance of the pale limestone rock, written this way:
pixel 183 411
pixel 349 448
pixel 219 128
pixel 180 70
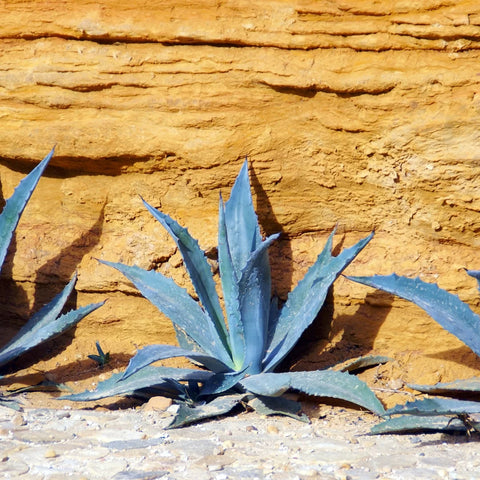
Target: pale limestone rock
pixel 357 112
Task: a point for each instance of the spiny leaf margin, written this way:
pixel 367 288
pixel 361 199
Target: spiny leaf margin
pixel 445 308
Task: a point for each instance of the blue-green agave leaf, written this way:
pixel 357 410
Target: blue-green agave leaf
pixel 267 384
pixel 469 385
pixel 476 275
pixel 362 363
pixel 241 221
pixel 305 301
pixel 179 307
pixel 254 297
pixel 153 353
pixel 218 406
pixel 16 204
pixel 414 424
pixel 230 280
pixel 45 325
pixel 186 342
pixel 341 385
pixel 145 378
pixel 238 237
pixel 221 382
pixel 278 406
pixel 321 383
pixel 436 406
pixel 10 403
pixel 186 392
pixel 447 309
pixel 197 267
pixel 278 325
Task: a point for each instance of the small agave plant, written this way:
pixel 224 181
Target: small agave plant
pixel 48 322
pixel 455 316
pixel 239 354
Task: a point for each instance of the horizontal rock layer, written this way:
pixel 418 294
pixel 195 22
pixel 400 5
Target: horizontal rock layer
pixel 357 112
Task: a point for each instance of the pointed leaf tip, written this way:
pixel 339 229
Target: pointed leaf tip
pixel 198 268
pixel 306 299
pixel 436 406
pixel 444 307
pixel 321 383
pixel 418 424
pixel 222 405
pixel 476 275
pixel 16 204
pixel 175 302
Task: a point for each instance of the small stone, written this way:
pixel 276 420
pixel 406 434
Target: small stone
pixel 215 463
pixel 251 428
pixel 272 429
pixel 436 226
pixel 50 453
pixel 215 468
pixel 19 420
pixel 395 384
pixel 218 451
pixel 158 404
pixel 227 444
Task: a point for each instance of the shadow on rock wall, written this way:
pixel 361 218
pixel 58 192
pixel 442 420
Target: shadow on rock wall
pixel 50 279
pixel 314 349
pixel 281 251
pixel 334 339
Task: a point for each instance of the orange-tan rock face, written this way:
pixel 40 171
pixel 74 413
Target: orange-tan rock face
pixel 357 112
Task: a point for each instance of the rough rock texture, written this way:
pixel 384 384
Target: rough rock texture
pixel 360 112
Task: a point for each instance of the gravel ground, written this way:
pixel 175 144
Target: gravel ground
pixel 131 444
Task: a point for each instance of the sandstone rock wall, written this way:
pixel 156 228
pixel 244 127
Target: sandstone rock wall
pixel 364 113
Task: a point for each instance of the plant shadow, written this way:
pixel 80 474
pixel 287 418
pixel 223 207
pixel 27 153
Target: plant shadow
pixel 12 312
pixel 461 355
pixel 280 253
pixel 316 348
pixel 313 350
pixel 451 439
pixel 49 280
pixel 66 263
pixel 83 369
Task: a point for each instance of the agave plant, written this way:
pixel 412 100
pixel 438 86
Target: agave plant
pixel 48 322
pixel 102 358
pixel 240 353
pixel 457 318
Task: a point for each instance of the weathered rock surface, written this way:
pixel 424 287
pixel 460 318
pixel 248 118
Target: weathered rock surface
pixel 357 112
